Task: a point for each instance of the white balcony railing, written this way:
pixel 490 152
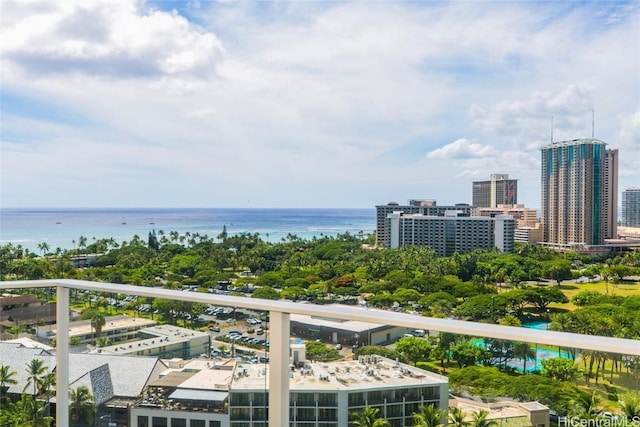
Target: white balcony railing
pixel 279 327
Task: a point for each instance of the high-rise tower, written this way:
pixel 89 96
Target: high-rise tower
pixel 579 186
pixel 631 207
pixel 499 190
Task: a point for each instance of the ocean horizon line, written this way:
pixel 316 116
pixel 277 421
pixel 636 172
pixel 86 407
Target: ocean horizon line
pixel 63 226
pixel 111 208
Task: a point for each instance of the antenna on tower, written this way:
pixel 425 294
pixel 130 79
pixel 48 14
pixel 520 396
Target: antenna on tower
pixel 552 129
pixel 593 122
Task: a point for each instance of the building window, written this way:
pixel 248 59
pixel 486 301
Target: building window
pixel 159 422
pixel 305 399
pixel 306 414
pixel 178 422
pixel 327 399
pixel 240 414
pixel 143 421
pixel 327 415
pixel 214 424
pixel 260 399
pixel 259 414
pixel 356 399
pixel 197 423
pixel 240 399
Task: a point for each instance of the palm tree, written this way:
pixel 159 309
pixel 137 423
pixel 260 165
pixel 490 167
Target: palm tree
pixel 48 382
pixel 6 379
pixel 82 406
pixel 630 405
pixel 456 417
pixel 97 322
pixel 523 351
pixel 28 412
pixel 479 419
pixel 36 372
pixel 585 406
pixel 369 418
pixel 428 416
pixel 103 342
pixel 44 247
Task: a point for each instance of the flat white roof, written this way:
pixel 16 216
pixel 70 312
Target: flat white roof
pixel 329 322
pixel 368 372
pixel 112 323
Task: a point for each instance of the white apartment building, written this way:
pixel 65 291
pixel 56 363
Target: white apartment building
pixel 416 206
pixel 451 233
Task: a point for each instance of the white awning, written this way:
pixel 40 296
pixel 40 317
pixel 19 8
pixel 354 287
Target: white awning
pixel 202 395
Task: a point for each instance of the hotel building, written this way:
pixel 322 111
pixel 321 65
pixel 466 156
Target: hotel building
pixel 423 207
pixel 631 207
pixel 579 183
pixel 451 233
pixel 499 190
pixel 525 217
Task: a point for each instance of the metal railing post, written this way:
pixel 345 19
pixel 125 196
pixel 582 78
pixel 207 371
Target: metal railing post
pixel 62 356
pixel 279 324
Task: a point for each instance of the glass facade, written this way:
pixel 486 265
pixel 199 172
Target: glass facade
pixel 631 207
pixel 575 200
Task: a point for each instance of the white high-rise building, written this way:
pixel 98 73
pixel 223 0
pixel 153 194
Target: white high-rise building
pixel 450 233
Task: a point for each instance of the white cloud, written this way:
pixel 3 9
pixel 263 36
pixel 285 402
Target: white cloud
pixel 304 103
pixel 569 110
pixel 104 38
pixel 462 149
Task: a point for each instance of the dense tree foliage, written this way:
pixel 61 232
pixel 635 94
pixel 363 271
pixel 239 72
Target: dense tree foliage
pixel 480 285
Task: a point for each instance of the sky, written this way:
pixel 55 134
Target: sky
pixel 130 103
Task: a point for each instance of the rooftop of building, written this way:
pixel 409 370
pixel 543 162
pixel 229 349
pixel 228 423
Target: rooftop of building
pixel 365 373
pixel 452 215
pixel 7 300
pixel 93 370
pixel 572 142
pixel 197 374
pixel 112 323
pixel 517 413
pixel 345 325
pixel 154 336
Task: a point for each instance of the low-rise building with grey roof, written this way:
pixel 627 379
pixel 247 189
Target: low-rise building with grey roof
pixel 346 332
pixel 116 328
pixel 115 381
pixel 165 341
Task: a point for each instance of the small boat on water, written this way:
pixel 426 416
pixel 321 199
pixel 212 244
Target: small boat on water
pixel 123 222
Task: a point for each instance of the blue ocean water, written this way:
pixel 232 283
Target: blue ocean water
pixel 59 228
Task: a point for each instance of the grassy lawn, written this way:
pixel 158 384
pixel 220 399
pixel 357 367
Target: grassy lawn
pixel 571 289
